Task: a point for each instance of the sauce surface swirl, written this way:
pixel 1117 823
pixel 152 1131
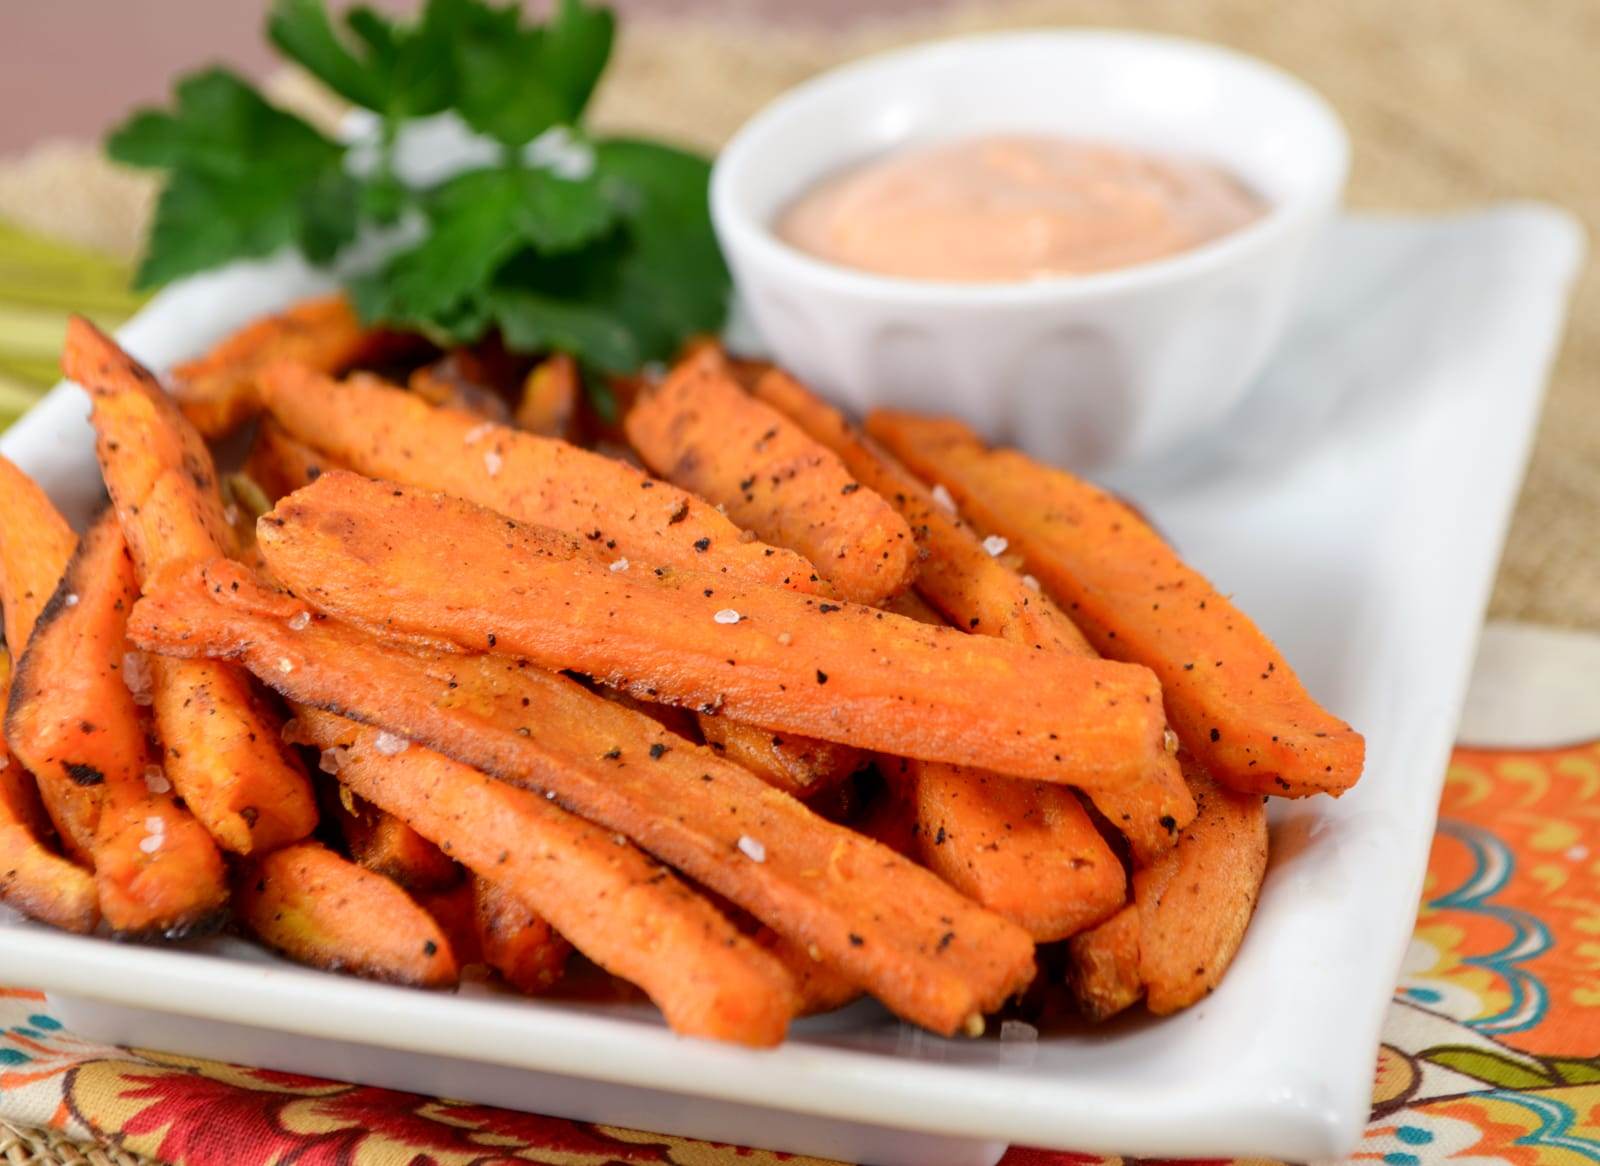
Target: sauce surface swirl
pixel 1007 209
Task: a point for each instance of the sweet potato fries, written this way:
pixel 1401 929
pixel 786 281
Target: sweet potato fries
pixel 820 712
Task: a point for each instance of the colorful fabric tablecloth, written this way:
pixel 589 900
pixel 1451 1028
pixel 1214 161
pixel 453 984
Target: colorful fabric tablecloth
pixel 1491 1053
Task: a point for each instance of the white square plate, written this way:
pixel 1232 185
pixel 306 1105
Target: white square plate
pixel 1356 508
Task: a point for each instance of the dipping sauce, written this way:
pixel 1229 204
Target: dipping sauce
pixel 1015 208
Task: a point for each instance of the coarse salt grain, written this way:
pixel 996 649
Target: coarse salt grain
pixel 136 676
pixel 942 497
pixel 332 759
pixel 1018 1030
pixel 620 565
pixel 1030 582
pixel 285 664
pixel 71 600
pixel 492 461
pixel 995 545
pixel 727 615
pixel 155 825
pixel 389 744
pixel 300 621
pixel 150 843
pixel 155 780
pixel 752 849
pixel 785 639
pixel 477 433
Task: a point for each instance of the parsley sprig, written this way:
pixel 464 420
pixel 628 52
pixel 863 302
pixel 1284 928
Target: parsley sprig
pixel 600 247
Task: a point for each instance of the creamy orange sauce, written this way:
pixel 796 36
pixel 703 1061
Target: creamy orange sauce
pixel 1014 208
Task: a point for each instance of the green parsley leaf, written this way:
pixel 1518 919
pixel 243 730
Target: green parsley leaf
pixel 673 282
pixel 478 221
pixel 514 83
pixel 242 178
pixel 396 71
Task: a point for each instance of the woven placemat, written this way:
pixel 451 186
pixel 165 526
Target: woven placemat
pixel 28 1147
pixel 1450 105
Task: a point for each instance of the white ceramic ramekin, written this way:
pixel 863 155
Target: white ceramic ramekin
pixel 1088 371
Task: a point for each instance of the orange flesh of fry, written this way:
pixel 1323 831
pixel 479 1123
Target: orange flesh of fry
pixel 33 879
pixel 1024 849
pixel 1196 902
pixel 701 431
pixel 223 749
pixel 319 909
pixel 1231 696
pixel 620 908
pixel 550 397
pixel 390 434
pixel 517 943
pixel 822 987
pixel 929 954
pixel 385 845
pixel 433 566
pixel 457 915
pixel 281 464
pixel 979 593
pixel 801 766
pixel 73 721
pixel 218 391
pixel 1104 970
pixel 35 546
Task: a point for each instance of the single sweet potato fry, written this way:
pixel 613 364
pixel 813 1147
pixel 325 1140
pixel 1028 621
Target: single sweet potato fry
pixel 700 430
pixel 33 878
pixel 625 912
pixel 1231 697
pixel 223 751
pixel 73 721
pixel 928 953
pixel 280 464
pixel 456 912
pixel 457 381
pixel 802 766
pixel 71 718
pixel 384 844
pixel 430 566
pixel 1196 902
pixel 1103 972
pixel 1189 913
pixel 550 396
pixel 822 987
pixel 1023 848
pixel 965 578
pixel 218 392
pixel 309 904
pixel 522 946
pixel 35 546
pixel 390 434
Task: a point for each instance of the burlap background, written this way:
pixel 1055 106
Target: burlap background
pixel 1451 103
